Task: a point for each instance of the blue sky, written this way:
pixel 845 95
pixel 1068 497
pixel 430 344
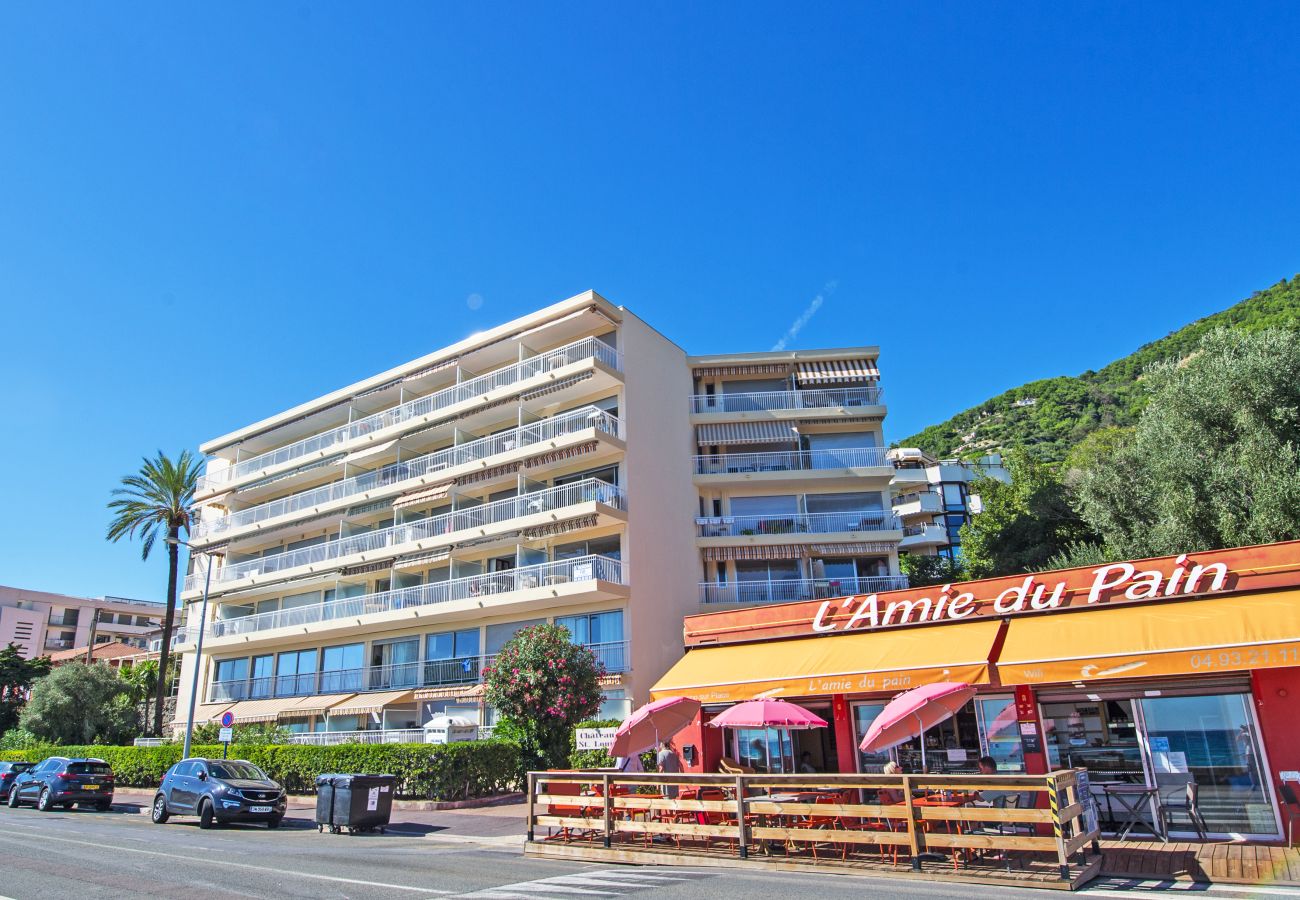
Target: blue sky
pixel 209 213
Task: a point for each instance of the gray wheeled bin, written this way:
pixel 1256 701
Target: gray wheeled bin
pixel 362 802
pixel 325 802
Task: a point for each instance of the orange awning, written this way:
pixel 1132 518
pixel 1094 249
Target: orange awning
pixel 833 664
pixel 1230 634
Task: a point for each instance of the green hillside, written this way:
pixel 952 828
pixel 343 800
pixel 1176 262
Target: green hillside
pixel 1050 416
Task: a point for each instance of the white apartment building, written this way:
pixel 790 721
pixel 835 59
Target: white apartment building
pixel 375 547
pixel 932 498
pixel 41 623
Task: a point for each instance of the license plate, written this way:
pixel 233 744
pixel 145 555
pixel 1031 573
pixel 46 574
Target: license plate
pixel 90 787
pixel 259 809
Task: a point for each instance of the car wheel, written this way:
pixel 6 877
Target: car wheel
pixel 207 817
pixel 273 822
pixel 104 805
pixel 43 802
pixel 159 813
pixel 13 798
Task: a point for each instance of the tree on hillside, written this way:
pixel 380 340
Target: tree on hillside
pixel 924 571
pixel 158 500
pixel 16 678
pixel 1023 524
pixel 1214 460
pixel 543 685
pixel 81 704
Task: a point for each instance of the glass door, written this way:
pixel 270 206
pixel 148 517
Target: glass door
pixel 1210 742
pixel 1000 731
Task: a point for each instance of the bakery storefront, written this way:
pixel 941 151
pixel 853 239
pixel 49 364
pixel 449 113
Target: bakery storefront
pixel 1158 673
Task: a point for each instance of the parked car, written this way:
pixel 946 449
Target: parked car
pixel 219 791
pixel 9 771
pixel 61 781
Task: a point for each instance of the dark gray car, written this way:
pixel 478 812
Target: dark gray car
pixel 63 781
pixel 218 791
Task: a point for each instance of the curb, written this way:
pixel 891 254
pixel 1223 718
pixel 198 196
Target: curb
pixel 309 801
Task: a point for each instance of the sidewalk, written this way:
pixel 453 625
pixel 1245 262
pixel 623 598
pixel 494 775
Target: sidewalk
pixel 501 824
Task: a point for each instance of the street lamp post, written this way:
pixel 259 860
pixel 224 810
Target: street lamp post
pixel 198 646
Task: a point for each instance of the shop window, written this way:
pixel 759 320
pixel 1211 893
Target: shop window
pixel 1099 735
pixel 765 750
pixel 1001 730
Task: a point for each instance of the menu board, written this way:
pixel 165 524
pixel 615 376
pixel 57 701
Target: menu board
pixel 1084 792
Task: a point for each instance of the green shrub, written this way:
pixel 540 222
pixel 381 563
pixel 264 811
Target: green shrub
pixel 456 771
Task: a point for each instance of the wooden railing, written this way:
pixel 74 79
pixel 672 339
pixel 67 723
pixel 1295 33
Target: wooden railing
pixel 916 818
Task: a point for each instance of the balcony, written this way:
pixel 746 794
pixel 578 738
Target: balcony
pixel 392 479
pixel 926 535
pixel 924 503
pixel 792 461
pixel 347 610
pixel 435 531
pixel 398 676
pixel 58 643
pixel 780 401
pixel 797 523
pixel 411 414
pixel 795 589
pixel 376 736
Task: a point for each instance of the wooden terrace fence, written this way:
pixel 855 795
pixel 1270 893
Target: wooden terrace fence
pixel 931 820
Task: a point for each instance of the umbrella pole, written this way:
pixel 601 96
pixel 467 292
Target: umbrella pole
pixel 921 722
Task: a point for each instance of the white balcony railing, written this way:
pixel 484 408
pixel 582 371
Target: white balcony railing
pixel 434 527
pixel 335 438
pixel 472 451
pixel 791 461
pixel 830 398
pixel 797 523
pixel 794 589
pixel 577 569
pixel 397 676
pixel 378 736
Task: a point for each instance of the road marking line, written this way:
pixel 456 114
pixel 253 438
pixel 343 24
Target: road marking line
pixel 223 863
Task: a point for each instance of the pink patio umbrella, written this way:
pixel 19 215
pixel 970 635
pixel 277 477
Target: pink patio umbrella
pixel 652 723
pixel 912 712
pixel 768 714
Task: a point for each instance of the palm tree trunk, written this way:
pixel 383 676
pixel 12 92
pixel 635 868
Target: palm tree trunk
pixel 169 621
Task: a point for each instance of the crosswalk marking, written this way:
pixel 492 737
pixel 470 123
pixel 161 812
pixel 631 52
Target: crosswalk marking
pixel 1134 888
pixel 591 883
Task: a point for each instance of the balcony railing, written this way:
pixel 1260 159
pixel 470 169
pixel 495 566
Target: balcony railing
pixel 794 589
pixel 797 523
pixel 58 643
pixel 922 497
pixel 378 736
pixel 335 438
pixel 790 461
pixel 448 458
pixel 481 516
pixel 577 569
pixel 397 676
pixel 829 398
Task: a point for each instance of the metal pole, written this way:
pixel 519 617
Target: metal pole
pixel 198 660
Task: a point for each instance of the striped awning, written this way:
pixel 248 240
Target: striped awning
pixel 261 710
pixel 756 551
pixel 557 455
pixel 560 527
pixel 732 433
pixel 429 370
pixel 558 385
pixel 365 568
pixel 850 548
pixel 366 704
pixel 489 473
pixel 421 560
pixel 452 692
pixel 312 706
pixel 837 370
pixel 210 711
pixel 423 495
pixel 751 369
pixel 843 420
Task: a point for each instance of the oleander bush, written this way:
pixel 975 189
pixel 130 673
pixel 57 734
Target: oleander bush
pixel 458 771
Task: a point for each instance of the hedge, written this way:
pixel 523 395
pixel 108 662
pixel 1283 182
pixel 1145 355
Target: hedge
pixel 457 771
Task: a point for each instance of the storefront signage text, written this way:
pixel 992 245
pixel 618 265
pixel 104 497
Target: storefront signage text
pixel 1108 583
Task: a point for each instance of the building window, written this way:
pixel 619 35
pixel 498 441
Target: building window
pixel 295 673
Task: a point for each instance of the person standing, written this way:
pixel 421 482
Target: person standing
pixel 667 763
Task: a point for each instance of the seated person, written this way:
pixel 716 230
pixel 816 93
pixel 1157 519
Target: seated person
pixel 989 766
pixel 806 766
pixel 890 796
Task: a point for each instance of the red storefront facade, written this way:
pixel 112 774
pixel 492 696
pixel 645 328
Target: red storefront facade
pixel 1160 672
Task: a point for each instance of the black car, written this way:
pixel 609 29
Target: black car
pixel 9 771
pixel 219 790
pixel 61 781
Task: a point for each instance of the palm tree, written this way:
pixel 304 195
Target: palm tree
pixel 158 499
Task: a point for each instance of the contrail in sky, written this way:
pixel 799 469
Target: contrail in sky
pixel 797 325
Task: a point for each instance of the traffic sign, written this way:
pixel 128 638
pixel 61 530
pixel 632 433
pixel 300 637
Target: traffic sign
pixel 227 734
pixel 227 719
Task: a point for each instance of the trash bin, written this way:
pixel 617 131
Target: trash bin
pixel 325 801
pixel 362 802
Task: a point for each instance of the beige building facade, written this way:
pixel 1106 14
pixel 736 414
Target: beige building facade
pixel 374 548
pixel 41 623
